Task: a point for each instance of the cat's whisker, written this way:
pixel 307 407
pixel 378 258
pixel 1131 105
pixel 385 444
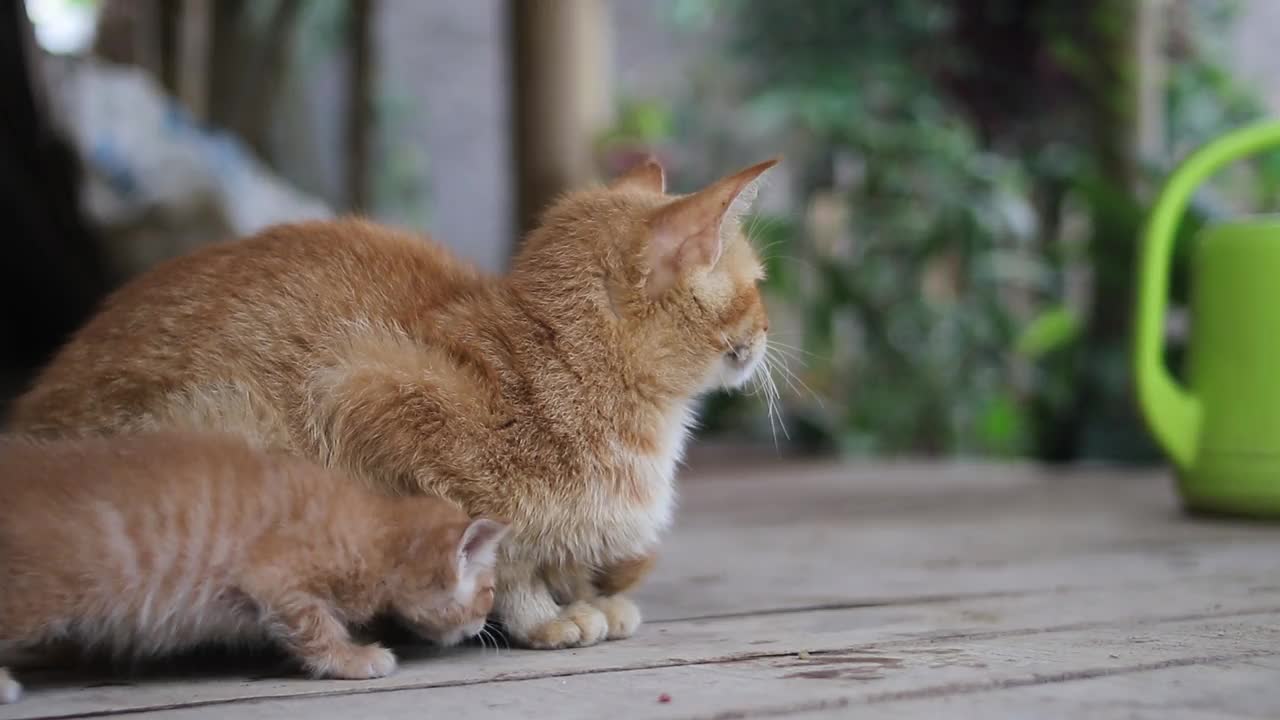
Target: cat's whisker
pixel 803 386
pixel 782 423
pixel 803 262
pixel 769 410
pixel 778 343
pixel 499 636
pixel 792 378
pixel 783 352
pixel 787 375
pixel 761 222
pixel 786 335
pixel 765 250
pixel 749 231
pixel 774 402
pixel 778 398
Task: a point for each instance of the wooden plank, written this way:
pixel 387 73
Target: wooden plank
pixel 764 566
pixel 1228 689
pixel 924 678
pixel 1035 620
pixel 868 534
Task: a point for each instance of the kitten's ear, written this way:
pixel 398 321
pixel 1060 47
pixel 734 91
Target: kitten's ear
pixel 687 234
pixel 478 547
pixel 647 176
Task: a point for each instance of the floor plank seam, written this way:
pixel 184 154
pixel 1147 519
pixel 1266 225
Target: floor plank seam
pixel 953 689
pixel 685 662
pixel 1093 625
pixel 900 601
pixel 910 600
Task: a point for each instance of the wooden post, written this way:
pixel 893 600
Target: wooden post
pixel 1153 75
pixel 360 103
pixel 194 30
pixel 258 95
pixel 561 97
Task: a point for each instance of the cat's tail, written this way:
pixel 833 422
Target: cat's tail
pixel 10 689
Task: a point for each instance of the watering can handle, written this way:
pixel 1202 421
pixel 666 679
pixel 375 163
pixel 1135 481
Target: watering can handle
pixel 1172 413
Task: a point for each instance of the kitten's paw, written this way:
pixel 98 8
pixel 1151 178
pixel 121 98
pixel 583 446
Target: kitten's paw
pixel 578 625
pixel 359 662
pixel 10 689
pixel 622 615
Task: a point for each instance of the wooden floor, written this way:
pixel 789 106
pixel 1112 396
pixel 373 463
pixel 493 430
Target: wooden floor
pixel 888 591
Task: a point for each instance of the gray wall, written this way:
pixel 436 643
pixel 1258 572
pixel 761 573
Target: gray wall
pixel 1254 46
pixel 447 59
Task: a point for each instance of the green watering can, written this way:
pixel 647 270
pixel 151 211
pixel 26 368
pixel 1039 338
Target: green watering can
pixel 1222 430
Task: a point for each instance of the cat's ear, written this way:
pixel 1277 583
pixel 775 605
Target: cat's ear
pixel 647 176
pixel 688 233
pixel 478 547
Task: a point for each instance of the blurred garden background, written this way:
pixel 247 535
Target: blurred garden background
pixel 950 241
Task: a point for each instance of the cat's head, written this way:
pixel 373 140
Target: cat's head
pixel 674 276
pixel 448 603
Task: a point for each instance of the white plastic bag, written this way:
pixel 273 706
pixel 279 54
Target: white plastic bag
pixel 156 183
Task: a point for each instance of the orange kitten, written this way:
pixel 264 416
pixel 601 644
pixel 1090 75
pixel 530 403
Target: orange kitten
pixel 150 544
pixel 558 396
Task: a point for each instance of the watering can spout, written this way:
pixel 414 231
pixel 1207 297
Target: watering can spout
pixel 1174 414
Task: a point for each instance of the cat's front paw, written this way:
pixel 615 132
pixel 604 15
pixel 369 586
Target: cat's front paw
pixel 578 625
pixel 622 615
pixel 358 662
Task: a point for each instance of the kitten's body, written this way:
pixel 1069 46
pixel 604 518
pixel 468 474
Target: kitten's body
pixel 558 397
pixel 156 543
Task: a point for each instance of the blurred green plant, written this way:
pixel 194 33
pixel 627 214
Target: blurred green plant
pixel 642 128
pixel 400 178
pixel 971 204
pixel 640 121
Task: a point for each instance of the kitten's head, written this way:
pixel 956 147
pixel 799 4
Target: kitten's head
pixel 673 275
pixel 448 602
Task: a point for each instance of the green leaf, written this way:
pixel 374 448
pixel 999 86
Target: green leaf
pixel 1051 330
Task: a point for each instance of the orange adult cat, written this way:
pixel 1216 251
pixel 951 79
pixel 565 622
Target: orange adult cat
pixel 558 396
pixel 158 542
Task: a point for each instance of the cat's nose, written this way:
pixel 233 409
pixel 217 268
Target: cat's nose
pixel 739 352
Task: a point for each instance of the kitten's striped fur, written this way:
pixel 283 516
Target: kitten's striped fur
pixel 150 544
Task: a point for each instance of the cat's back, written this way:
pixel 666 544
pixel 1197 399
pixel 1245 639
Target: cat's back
pixel 242 309
pixel 60 485
pixel 294 275
pixel 348 266
pixel 143 501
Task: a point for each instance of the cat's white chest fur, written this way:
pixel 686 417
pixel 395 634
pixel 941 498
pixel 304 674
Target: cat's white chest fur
pixel 636 526
pixel 627 502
